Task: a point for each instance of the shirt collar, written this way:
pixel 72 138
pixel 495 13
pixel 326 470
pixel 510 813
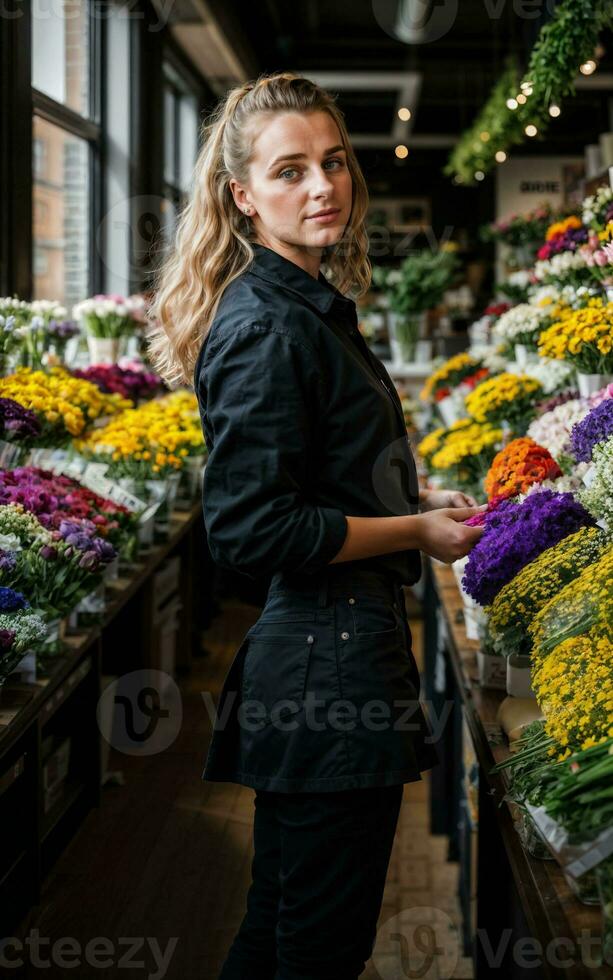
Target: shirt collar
pixel 274 268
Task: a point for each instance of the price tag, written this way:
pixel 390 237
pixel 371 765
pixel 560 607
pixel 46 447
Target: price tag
pixel 589 476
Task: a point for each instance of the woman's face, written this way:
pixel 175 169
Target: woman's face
pixel 298 170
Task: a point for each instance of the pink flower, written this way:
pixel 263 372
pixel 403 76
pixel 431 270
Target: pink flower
pixel 601 258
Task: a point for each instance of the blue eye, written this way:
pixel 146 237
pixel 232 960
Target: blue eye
pixel 290 170
pixel 340 162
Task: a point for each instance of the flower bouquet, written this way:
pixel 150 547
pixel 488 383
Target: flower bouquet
pixel 553 376
pixel 107 321
pixel 516 288
pixel 417 285
pixel 20 630
pixel 584 603
pixel 595 427
pixel 466 454
pixel 515 534
pixel 563 236
pixel 518 602
pixel 597 497
pixel 56 569
pixel 585 338
pixel 522 233
pixel 460 370
pixel 521 326
pixel 565 268
pixel 518 466
pixel 65 406
pixel 60 333
pixel 20 427
pixel 135 385
pixel 507 398
pixel 597 210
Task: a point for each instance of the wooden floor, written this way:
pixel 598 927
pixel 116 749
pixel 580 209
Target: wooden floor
pixel 167 858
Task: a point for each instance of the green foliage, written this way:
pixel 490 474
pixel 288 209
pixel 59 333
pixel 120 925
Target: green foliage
pixel 419 282
pixel 564 43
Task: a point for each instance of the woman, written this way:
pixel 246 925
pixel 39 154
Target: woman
pixel 309 480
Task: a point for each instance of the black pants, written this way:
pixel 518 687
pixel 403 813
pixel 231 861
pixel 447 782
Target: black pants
pixel 318 872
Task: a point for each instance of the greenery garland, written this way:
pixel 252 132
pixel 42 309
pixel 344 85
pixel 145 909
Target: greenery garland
pixel 564 43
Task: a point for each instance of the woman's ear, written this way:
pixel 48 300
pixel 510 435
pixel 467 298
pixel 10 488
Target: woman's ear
pixel 240 197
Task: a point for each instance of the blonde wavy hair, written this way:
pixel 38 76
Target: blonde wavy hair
pixel 213 238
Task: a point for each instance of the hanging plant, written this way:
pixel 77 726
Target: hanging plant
pixel 564 43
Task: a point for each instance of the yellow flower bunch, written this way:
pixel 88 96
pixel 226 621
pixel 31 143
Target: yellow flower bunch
pixel 505 397
pixel 580 605
pixel 584 337
pixel 574 688
pixel 154 438
pixel 430 443
pixel 457 365
pixel 519 601
pixel 64 402
pixel 465 442
pixel 607 234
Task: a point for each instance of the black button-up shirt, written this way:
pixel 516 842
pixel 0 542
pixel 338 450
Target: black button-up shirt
pixel 303 426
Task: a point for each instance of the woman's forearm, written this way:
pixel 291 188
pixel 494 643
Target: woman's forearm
pixel 371 536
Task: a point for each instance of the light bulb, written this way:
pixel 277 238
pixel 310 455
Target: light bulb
pixel 479 175
pixel 500 156
pixel 554 110
pixel 512 103
pixel 404 113
pixel 588 68
pixel 521 98
pixel 531 130
pixel 401 151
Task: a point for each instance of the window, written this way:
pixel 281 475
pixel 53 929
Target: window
pixel 181 121
pixel 60 51
pixel 66 147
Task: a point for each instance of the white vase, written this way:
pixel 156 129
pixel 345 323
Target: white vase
pixel 104 350
pixel 492 670
pixel 524 356
pixel 25 671
pixel 519 676
pixel 450 410
pixel 589 383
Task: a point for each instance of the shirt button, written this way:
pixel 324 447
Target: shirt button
pixel 310 639
pixel 352 602
pixel 344 636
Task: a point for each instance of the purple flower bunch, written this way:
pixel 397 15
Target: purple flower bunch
pixel 63 330
pixel 7 638
pixel 549 404
pixel 10 600
pixel 18 422
pixel 8 562
pixel 80 536
pixel 596 427
pixel 515 534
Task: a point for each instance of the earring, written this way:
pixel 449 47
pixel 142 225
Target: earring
pixel 247 210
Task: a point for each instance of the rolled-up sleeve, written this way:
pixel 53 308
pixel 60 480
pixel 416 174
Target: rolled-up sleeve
pixel 258 391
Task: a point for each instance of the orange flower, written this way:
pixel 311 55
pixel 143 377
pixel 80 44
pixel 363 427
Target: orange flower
pixel 518 466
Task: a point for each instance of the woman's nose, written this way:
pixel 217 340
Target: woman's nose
pixel 321 184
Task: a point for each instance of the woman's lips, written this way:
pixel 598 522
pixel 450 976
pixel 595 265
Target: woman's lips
pixel 327 218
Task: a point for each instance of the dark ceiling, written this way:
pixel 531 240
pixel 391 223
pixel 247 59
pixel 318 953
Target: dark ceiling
pixel 455 73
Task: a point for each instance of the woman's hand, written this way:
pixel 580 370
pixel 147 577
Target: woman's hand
pixel 435 499
pixel 442 534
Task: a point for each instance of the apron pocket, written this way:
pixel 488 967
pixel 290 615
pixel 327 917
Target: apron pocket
pixel 275 672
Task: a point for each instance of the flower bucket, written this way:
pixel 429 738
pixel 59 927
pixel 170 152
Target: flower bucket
pixel 532 839
pixel 423 351
pixel 404 332
pixel 585 887
pixel 524 356
pixel 519 676
pixel 111 572
pixel 449 410
pixel 89 610
pixel 104 350
pixel 492 670
pixel 589 383
pixel 25 671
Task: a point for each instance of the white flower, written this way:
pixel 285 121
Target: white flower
pixel 10 542
pixel 519 278
pixel 559 264
pixel 520 319
pixel 552 374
